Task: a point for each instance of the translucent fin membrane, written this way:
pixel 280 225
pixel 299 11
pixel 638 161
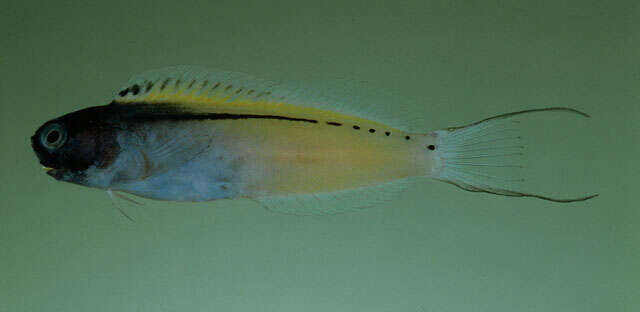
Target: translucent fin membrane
pixel 335 202
pixel 210 89
pixel 487 156
pixel 112 195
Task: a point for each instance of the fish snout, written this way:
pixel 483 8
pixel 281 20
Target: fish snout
pixel 48 163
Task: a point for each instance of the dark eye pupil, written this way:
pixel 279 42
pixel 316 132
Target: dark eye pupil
pixel 53 136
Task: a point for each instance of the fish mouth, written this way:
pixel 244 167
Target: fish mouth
pixel 53 172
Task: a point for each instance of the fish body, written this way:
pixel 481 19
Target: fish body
pixel 199 157
pixel 184 136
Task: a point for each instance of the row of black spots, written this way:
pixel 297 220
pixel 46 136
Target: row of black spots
pixel 248 92
pixel 176 84
pixel 236 92
pixel 371 130
pixel 135 89
pixel 191 84
pixel 263 93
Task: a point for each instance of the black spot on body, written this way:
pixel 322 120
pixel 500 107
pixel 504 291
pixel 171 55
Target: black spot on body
pixel 372 130
pixel 164 83
pixel 387 133
pixel 124 92
pixel 356 127
pixel 135 89
pixel 407 137
pixel 332 123
pixel 431 147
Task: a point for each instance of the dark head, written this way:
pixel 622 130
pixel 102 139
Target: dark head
pixel 70 145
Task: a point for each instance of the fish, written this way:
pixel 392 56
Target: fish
pixel 190 135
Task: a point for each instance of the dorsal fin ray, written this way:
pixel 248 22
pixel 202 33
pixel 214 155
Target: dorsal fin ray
pixel 222 91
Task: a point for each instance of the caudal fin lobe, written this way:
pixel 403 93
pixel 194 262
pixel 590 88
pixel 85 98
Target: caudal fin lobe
pixel 486 156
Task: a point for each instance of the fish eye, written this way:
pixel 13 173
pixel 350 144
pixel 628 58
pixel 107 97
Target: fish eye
pixel 53 136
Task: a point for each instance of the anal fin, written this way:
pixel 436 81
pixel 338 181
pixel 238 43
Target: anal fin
pixel 328 203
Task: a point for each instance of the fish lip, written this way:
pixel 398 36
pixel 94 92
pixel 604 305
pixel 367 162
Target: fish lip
pixel 52 172
pixel 48 170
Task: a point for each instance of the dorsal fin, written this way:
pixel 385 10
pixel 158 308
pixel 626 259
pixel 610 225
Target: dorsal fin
pixel 205 90
pixel 194 85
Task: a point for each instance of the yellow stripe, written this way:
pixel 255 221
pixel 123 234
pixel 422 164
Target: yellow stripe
pixel 219 101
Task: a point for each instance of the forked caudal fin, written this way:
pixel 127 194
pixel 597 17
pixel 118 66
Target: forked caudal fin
pixel 482 156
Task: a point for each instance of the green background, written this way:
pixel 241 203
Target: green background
pixel 436 248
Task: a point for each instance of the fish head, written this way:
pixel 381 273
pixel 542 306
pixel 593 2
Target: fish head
pixel 69 146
